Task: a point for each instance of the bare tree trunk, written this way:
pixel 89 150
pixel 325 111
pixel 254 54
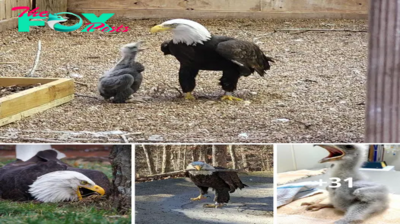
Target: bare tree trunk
pixel 219 155
pixel 184 157
pixel 149 160
pixel 203 153
pixel 121 193
pixel 157 159
pixel 173 160
pixel 268 160
pixel 208 151
pixel 195 153
pixel 179 158
pixel 244 160
pixel 264 158
pixel 200 154
pixel 233 156
pixel 166 163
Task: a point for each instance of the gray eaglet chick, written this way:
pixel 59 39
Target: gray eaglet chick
pixel 125 78
pixel 361 200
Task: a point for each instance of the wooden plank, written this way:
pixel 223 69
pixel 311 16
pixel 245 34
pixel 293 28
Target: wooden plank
pixel 314 5
pixel 13 4
pixel 286 6
pixel 34 97
pixel 126 4
pixel 30 112
pixel 200 14
pixel 2 9
pixel 53 6
pixel 225 5
pixel 8 9
pixel 383 83
pixel 10 81
pixel 8 24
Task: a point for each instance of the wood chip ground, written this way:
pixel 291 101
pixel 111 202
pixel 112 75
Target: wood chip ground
pixel 315 92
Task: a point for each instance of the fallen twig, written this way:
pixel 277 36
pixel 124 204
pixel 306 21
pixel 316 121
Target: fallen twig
pixel 82 83
pixel 163 174
pixel 93 57
pixel 42 140
pixel 82 95
pixel 124 139
pixel 30 74
pixel 11 62
pixel 3 53
pixel 303 30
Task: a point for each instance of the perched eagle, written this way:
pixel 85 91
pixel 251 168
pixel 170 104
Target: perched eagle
pixel 47 179
pixel 196 49
pixel 205 176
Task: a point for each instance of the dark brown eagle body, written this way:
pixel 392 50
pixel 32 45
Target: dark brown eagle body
pixel 221 181
pixel 234 57
pixel 16 177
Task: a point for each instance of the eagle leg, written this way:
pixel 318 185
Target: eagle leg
pixel 200 197
pixel 187 80
pixel 315 206
pixel 216 205
pixel 229 82
pixel 189 96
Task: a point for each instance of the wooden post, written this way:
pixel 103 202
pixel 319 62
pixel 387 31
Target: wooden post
pixel 383 85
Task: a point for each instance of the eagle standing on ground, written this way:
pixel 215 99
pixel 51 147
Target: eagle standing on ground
pixel 205 176
pixel 125 77
pixel 47 179
pixel 196 49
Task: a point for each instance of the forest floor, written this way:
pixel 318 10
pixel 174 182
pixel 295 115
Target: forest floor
pixel 168 202
pixel 97 211
pixel 315 92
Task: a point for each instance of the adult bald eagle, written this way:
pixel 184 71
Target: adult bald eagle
pixel 47 179
pixel 205 176
pixel 196 49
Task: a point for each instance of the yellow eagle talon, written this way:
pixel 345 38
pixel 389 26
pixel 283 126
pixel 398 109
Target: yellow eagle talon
pixel 189 96
pixel 231 98
pixel 200 197
pixel 213 205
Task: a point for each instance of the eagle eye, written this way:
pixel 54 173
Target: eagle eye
pixel 83 182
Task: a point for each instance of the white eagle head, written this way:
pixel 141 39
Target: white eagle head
pixel 62 186
pixel 184 31
pixel 200 168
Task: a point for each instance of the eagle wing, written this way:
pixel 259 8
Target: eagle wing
pixel 231 179
pixel 245 54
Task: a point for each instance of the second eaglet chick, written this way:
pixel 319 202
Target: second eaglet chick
pixel 125 78
pixel 358 200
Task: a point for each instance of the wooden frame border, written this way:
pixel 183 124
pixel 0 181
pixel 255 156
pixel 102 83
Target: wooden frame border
pixel 52 93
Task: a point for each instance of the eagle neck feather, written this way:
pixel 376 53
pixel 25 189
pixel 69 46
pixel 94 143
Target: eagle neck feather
pixel 204 172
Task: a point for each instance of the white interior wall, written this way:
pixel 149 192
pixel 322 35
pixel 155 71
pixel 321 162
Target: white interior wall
pixel 298 157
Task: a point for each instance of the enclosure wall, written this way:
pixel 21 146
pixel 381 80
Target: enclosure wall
pixel 224 8
pixel 8 18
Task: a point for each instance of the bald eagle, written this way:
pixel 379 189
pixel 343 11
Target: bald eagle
pixel 205 176
pixel 197 49
pixel 47 179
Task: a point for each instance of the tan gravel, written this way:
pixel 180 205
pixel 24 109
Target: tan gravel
pixel 314 93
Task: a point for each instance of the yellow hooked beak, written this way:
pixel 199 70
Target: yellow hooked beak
pixel 159 28
pixel 95 188
pixel 197 167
